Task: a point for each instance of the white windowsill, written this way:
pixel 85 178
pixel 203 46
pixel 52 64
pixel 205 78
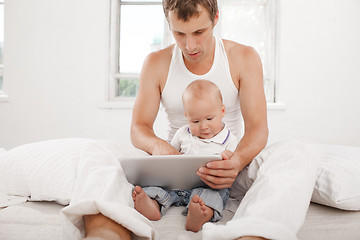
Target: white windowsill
pixel 117 105
pixel 279 106
pixel 3 97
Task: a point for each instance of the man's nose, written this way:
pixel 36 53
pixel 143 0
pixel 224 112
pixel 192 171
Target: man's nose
pixel 190 44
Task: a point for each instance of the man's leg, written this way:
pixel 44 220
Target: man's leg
pixel 275 205
pixel 99 226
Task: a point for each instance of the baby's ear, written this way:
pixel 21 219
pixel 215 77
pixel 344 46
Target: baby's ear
pixel 223 109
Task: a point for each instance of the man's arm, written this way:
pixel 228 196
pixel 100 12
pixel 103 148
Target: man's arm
pixel 253 108
pixel 248 69
pixel 152 78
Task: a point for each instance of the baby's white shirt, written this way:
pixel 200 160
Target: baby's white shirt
pixel 186 143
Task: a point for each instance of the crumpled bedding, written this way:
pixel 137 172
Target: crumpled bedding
pixel 97 169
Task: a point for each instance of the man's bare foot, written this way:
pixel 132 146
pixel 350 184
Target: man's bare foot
pixel 198 214
pixel 101 227
pixel 251 238
pixel 145 205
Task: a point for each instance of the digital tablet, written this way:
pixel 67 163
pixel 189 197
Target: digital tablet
pixel 168 171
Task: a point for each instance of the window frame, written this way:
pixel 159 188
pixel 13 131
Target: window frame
pixel 3 95
pixel 113 101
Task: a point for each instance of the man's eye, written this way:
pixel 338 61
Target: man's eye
pixel 199 32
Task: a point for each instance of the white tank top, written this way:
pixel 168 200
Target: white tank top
pixel 178 79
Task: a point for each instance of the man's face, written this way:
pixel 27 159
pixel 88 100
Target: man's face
pixel 194 37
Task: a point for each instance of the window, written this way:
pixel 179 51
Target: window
pixel 251 22
pixel 131 41
pixel 1 43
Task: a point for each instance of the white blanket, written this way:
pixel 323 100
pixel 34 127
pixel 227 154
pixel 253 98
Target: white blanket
pixel 101 187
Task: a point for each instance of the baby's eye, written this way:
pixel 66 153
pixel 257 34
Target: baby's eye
pixel 195 121
pixel 209 119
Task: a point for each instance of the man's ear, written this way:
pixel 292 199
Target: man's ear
pixel 216 19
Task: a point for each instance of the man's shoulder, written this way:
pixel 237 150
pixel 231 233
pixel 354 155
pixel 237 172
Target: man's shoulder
pixel 156 66
pixel 234 49
pixel 242 60
pixel 161 56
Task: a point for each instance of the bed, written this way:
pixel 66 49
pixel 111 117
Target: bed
pixel 41 221
pixel 34 213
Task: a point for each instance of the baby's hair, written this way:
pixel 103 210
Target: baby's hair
pixel 201 89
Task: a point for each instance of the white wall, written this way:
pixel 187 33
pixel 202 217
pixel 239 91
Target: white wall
pixel 56 63
pixel 318 70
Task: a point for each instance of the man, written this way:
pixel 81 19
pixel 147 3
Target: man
pixel 194 36
pixel 192 25
pixel 197 54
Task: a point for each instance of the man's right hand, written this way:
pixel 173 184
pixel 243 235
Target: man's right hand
pixel 164 148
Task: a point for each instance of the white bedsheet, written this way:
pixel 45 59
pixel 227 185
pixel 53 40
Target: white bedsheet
pixel 31 221
pixel 41 221
pixel 6 200
pixel 2 150
pixel 327 223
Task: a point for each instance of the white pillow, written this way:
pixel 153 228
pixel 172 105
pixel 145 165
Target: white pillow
pixel 47 170
pixel 42 170
pixel 338 177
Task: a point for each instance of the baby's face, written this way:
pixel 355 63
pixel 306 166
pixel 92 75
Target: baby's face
pixel 205 117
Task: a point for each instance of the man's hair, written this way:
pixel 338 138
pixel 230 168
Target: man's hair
pixel 185 9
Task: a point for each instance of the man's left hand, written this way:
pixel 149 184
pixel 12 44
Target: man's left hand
pixel 222 173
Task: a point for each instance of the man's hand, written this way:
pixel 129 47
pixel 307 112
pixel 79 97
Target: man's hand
pixel 222 173
pixel 164 148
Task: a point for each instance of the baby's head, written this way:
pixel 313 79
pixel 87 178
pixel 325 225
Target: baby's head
pixel 204 108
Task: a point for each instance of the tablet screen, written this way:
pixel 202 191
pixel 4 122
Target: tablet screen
pixel 168 171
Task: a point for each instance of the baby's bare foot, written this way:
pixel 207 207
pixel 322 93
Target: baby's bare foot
pixel 145 205
pixel 198 214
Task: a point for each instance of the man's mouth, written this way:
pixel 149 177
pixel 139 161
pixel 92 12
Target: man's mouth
pixel 193 55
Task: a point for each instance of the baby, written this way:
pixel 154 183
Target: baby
pixel 204 134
